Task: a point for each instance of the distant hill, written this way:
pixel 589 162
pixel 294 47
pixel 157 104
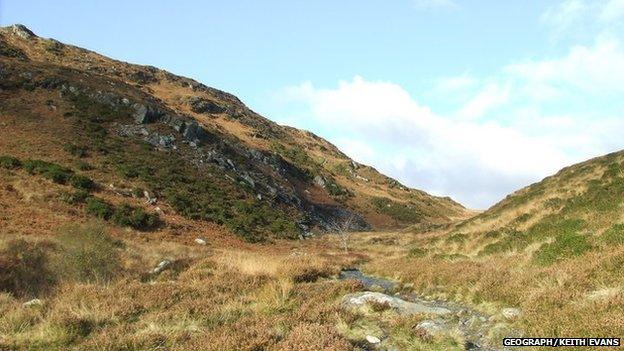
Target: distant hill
pixel 193 153
pixel 577 210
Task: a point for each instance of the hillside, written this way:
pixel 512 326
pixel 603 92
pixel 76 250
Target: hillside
pixel 573 211
pixel 200 152
pixel 553 250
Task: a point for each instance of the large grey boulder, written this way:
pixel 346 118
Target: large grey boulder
pixel 401 306
pixel 193 132
pixel 146 114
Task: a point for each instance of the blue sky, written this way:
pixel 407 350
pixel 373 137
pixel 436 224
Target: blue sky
pixel 471 99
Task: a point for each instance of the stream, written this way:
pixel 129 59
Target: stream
pixel 446 316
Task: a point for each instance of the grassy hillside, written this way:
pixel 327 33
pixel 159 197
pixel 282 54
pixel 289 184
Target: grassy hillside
pixel 554 249
pixel 199 150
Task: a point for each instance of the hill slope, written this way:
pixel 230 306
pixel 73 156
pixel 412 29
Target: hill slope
pixel 201 150
pixel 573 211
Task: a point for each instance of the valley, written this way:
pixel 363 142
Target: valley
pixel 140 210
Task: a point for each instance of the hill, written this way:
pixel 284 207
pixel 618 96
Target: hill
pixel 201 152
pixel 554 250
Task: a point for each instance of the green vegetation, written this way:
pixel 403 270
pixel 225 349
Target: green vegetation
pixel 417 252
pixel 566 245
pixel 9 162
pixel 614 235
pixel 99 208
pixel 81 253
pixel 193 194
pixel 81 182
pixel 54 172
pixel 76 197
pixel 124 214
pixel 397 211
pixel 75 150
pixel 134 217
pixel 459 238
pixel 550 227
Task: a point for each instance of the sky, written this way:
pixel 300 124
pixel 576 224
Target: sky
pixel 468 99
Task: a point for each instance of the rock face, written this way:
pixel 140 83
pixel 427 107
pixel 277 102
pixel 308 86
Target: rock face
pixel 22 32
pixel 146 114
pixel 199 105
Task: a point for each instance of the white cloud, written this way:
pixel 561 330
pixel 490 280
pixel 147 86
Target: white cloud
pixel 477 162
pixel 583 16
pixel 453 84
pixel 487 99
pixel 498 133
pixel 565 14
pixel 590 69
pixel 431 4
pixel 612 10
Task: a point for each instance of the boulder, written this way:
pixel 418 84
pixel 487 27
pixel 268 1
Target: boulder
pixel 164 264
pixel 399 305
pixel 320 181
pixel 373 339
pixel 200 241
pixel 146 114
pixel 193 132
pixel 511 313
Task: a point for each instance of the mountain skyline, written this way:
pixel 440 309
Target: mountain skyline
pixel 416 96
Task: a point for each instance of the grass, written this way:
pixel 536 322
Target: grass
pixel 235 300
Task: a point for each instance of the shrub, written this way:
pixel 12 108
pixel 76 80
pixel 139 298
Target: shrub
pixel 88 254
pixel 54 172
pixel 134 217
pixel 81 182
pixel 99 208
pixel 24 269
pixel 9 162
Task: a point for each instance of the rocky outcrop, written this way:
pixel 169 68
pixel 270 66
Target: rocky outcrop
pixel 200 105
pixel 22 31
